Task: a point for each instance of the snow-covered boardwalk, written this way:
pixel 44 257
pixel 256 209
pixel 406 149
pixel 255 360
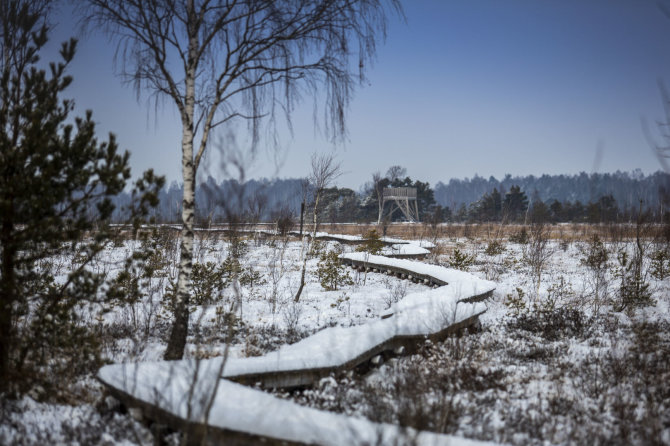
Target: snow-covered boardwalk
pixel 180 393
pixel 464 287
pixel 393 247
pixel 191 394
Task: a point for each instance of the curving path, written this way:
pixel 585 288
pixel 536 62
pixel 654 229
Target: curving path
pixel 393 247
pixel 200 397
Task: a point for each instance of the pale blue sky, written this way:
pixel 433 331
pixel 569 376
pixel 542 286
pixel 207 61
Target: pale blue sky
pixel 465 87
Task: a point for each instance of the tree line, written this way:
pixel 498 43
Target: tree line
pixel 627 188
pixel 593 198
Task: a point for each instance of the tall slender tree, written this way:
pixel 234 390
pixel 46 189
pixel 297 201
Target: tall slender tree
pixel 325 170
pixel 220 60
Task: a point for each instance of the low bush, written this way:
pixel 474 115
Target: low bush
pixel 660 263
pixel 460 260
pixel 372 243
pixel 494 248
pixel 332 273
pixel 552 324
pixel 520 237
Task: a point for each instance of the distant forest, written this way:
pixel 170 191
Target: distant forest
pixel 593 197
pixel 627 188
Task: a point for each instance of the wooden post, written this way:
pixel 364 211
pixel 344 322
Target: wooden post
pixel 302 216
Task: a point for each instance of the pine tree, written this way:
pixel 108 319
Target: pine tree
pixel 489 207
pixel 497 204
pixel 372 243
pixel 515 203
pixel 56 181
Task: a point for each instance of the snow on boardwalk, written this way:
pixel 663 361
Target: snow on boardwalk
pixel 405 250
pixel 462 286
pixel 432 313
pixel 183 392
pixel 359 238
pixel 393 247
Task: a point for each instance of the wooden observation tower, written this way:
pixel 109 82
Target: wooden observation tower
pixel 403 198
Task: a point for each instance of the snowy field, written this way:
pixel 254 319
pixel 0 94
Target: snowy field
pixel 557 360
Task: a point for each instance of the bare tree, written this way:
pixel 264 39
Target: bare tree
pixel 537 251
pixel 325 170
pixel 305 191
pixel 378 187
pixel 661 150
pixel 220 60
pixel 395 173
pixel 256 206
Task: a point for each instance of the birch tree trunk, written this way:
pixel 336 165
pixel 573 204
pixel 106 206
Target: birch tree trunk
pixel 177 341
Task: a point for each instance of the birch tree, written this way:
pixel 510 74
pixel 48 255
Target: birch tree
pixel 224 60
pixel 325 170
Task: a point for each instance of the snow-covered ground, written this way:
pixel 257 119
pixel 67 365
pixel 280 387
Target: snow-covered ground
pixel 552 366
pixel 265 314
pixel 549 365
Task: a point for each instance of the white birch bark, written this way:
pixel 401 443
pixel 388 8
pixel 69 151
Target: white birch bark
pixel 177 341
